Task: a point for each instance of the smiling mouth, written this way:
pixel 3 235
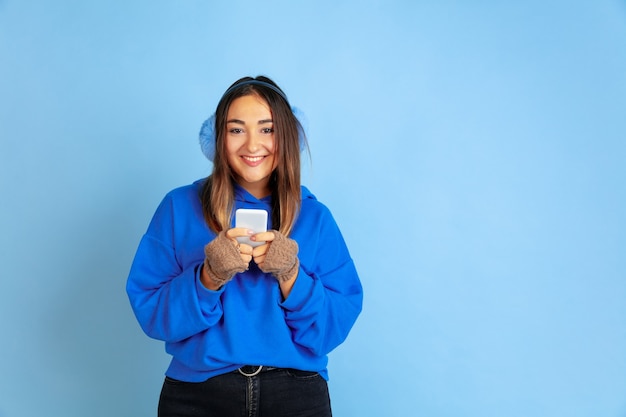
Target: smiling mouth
pixel 253 159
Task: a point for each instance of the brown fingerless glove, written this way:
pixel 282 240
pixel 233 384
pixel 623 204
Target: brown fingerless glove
pixel 281 259
pixel 222 260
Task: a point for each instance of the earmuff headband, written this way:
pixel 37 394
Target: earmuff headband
pixel 256 82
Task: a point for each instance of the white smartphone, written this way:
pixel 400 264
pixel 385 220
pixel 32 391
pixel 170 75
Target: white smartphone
pixel 253 219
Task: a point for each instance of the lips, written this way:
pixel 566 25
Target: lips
pixel 253 160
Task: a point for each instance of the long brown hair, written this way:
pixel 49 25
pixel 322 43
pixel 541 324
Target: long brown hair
pixel 217 195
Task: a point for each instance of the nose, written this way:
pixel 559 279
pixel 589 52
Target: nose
pixel 253 142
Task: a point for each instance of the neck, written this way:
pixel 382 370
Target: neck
pixel 259 191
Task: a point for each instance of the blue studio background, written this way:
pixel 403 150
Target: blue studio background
pixel 473 152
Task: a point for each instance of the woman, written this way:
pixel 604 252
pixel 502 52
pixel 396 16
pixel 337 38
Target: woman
pixel 248 327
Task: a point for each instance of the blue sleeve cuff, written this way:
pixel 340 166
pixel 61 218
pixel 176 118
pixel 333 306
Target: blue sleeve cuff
pixel 302 292
pixel 209 300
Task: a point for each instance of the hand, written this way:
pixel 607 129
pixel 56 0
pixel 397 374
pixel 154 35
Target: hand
pixel 245 251
pixel 224 257
pixel 279 256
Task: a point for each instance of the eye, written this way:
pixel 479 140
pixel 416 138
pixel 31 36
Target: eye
pixel 235 131
pixel 267 130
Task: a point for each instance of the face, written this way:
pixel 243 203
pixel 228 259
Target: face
pixel 250 143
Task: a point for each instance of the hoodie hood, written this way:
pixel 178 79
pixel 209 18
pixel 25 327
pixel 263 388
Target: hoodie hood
pixel 245 197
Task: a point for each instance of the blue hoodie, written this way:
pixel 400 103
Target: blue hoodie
pixel 246 322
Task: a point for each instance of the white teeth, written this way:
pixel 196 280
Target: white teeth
pixel 253 158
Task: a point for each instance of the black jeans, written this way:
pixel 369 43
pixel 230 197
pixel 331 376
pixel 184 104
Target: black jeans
pixel 275 393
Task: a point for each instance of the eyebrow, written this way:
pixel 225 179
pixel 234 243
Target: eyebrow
pixel 241 122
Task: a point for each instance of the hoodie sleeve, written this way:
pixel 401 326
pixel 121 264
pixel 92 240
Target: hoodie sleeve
pixel 165 293
pixel 327 296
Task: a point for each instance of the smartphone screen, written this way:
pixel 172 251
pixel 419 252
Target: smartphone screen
pixel 253 219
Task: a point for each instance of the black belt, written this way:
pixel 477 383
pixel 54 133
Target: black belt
pixel 250 371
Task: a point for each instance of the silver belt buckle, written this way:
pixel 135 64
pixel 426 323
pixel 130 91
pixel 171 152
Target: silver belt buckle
pixel 255 373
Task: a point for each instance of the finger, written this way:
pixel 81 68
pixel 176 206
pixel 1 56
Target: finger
pixel 263 237
pixel 238 232
pixel 259 260
pixel 260 250
pixel 245 249
pixel 245 252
